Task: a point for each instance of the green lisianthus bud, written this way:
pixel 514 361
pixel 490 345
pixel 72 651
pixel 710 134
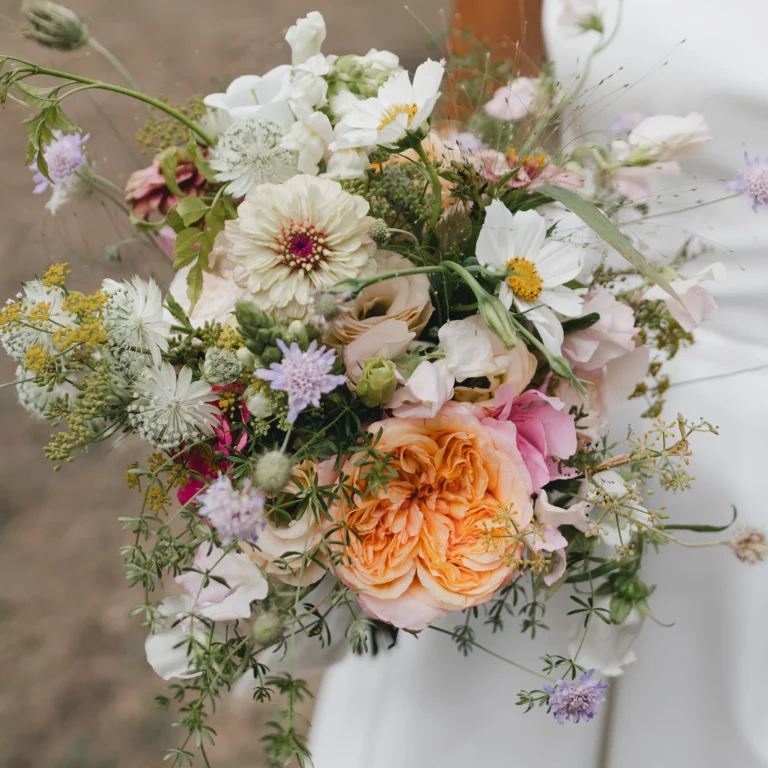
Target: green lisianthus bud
pixel 267 628
pixel 272 471
pixel 53 25
pixel 378 381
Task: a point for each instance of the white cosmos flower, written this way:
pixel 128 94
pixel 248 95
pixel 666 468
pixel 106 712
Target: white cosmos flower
pixel 135 319
pixel 309 137
pixel 306 37
pixel 252 96
pixel 170 410
pixel 536 269
pixel 291 239
pixel 399 107
pixel 250 153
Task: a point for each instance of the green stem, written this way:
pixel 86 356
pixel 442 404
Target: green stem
pixel 437 190
pixel 174 113
pixel 643 219
pixel 115 62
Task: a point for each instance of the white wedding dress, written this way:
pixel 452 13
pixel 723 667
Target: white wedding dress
pixel 698 693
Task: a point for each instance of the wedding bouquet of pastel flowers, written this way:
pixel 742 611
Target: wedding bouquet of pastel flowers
pixel 378 388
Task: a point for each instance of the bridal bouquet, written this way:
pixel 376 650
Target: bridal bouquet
pixel 377 390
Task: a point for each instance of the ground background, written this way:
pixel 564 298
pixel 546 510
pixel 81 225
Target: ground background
pixel 75 689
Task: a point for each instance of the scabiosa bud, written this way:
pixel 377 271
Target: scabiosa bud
pixel 272 471
pixel 749 545
pixel 267 628
pixel 576 699
pixel 752 181
pixel 53 25
pixel 221 366
pixel 379 232
pixel 236 514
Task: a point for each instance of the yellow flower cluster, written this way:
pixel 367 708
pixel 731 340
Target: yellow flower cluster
pixel 56 275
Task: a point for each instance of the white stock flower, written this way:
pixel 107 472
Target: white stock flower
pixel 399 107
pixel 308 88
pixel 306 37
pixel 698 304
pixel 427 390
pixel 135 320
pixel 250 153
pixel 309 137
pixel 535 268
pixel 347 164
pixel 669 137
pixel 294 238
pixel 169 411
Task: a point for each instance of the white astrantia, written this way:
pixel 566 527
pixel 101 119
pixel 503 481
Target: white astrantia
pixel 136 324
pixel 291 239
pixel 170 410
pixel 534 269
pixel 400 106
pixel 306 37
pixel 251 153
pixel 36 399
pixel 309 137
pixel 21 338
pixel 347 164
pixel 308 87
pixel 251 96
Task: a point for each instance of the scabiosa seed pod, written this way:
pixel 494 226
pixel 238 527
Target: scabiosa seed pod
pixel 53 25
pixel 379 232
pixel 272 471
pixel 267 628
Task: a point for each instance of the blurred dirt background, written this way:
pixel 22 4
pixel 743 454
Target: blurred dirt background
pixel 75 688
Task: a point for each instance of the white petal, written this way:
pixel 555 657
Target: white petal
pixel 163 655
pixel 530 231
pixel 496 242
pixel 426 81
pixel 558 262
pixel 563 300
pixel 548 326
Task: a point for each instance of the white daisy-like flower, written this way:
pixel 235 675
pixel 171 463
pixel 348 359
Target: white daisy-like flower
pixel 20 338
pixel 134 316
pixel 535 269
pixel 251 153
pixel 170 410
pixel 291 239
pixel 400 106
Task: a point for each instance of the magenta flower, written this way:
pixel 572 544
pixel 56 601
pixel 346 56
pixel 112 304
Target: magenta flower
pixel 304 376
pixel 576 700
pixel 753 181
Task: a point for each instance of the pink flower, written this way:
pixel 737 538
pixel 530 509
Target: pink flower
pixel 556 176
pixel 542 428
pixel 612 336
pixel 698 304
pixel 548 539
pixel 635 182
pixel 514 101
pixel 490 162
pixel 203 471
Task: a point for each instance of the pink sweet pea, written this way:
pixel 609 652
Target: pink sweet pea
pixel 543 430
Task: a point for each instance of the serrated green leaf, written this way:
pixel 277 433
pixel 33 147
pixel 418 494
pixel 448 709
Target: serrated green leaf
pixel 186 239
pixel 191 209
pixel 34 95
pixel 200 162
pixel 194 285
pixel 177 311
pixel 57 120
pixel 168 163
pixel 620 609
pixel 185 259
pixel 595 219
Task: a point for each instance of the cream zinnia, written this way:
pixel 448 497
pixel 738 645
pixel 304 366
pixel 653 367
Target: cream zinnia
pixel 294 238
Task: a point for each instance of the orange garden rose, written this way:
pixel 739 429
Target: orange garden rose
pixel 445 534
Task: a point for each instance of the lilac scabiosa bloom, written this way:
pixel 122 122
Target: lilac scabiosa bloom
pixel 64 155
pixel 236 514
pixel 753 181
pixel 577 699
pixel 305 376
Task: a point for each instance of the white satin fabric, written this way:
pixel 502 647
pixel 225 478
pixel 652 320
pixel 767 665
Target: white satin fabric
pixel 696 696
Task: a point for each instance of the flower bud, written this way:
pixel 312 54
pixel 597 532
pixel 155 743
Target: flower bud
pixel 221 366
pixel 378 381
pixel 248 359
pixel 272 471
pixel 258 403
pixel 497 319
pixel 379 232
pixel 53 25
pixel 296 332
pixel 267 628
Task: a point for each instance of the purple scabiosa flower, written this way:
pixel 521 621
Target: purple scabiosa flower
pixel 305 376
pixel 64 155
pixel 753 181
pixel 577 699
pixel 236 514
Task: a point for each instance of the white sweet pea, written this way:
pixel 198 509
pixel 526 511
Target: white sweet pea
pixel 535 269
pixel 614 525
pixel 669 137
pixel 579 16
pixel 167 647
pixel 254 96
pixel 308 87
pixel 306 37
pixel 554 516
pixel 347 164
pixel 698 304
pixel 428 389
pixel 309 137
pixel 607 647
pixel 400 106
pixel 469 349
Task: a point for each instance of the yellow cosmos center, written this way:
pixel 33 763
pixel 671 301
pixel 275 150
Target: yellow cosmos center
pixel 524 279
pixel 398 109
